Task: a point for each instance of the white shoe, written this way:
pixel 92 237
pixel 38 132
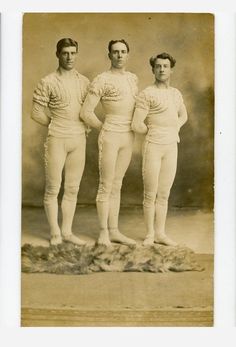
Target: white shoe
pixel 116 236
pixel 165 240
pixel 149 241
pixel 74 239
pixel 55 240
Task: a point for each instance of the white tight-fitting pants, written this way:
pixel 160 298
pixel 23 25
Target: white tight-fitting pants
pixel 159 169
pixel 115 151
pixel 67 153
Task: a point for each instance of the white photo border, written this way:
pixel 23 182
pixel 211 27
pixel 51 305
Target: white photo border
pixel 225 173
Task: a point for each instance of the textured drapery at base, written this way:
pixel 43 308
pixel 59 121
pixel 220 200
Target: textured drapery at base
pixel 67 258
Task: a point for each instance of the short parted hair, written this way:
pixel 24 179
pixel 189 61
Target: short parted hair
pixel 66 42
pixel 112 42
pixel 163 55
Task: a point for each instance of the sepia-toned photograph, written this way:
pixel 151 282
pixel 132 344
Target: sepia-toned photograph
pixel 117 170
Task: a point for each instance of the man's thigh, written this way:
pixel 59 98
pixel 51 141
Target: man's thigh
pixel 55 156
pixel 75 160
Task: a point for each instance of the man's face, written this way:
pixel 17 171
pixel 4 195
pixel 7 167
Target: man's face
pixel 162 70
pixel 67 57
pixel 118 55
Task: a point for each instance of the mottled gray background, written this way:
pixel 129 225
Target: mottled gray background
pixel 188 37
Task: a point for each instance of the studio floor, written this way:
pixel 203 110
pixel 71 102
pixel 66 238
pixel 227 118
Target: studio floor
pixel 122 299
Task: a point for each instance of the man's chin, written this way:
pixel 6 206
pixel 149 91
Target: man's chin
pixel 120 66
pixel 162 79
pixel 68 68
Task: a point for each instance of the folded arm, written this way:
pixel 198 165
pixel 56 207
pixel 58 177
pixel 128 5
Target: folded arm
pixel 183 116
pixel 38 114
pixel 87 112
pixel 138 124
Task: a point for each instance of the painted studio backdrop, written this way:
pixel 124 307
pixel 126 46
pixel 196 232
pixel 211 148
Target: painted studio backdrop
pixel 189 38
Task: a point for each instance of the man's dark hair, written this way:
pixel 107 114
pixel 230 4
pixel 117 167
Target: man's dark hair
pixel 112 42
pixel 67 42
pixel 163 55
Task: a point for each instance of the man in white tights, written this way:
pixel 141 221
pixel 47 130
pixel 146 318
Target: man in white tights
pixel 62 93
pixel 116 89
pixel 160 112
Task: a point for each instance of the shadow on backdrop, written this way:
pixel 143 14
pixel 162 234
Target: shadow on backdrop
pixel 188 37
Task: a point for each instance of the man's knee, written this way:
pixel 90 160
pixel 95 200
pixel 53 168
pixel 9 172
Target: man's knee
pixel 116 187
pixel 104 191
pixel 70 192
pixel 149 199
pixel 51 192
pixel 162 198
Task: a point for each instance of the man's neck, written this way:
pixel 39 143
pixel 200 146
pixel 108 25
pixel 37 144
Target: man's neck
pixel 65 72
pixel 117 71
pixel 162 85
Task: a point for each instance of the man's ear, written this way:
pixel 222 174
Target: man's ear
pixel 57 54
pixel 109 55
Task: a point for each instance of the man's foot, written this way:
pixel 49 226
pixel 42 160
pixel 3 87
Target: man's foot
pixel 103 239
pixel 55 240
pixel 165 240
pixel 149 241
pixel 74 239
pixel 116 236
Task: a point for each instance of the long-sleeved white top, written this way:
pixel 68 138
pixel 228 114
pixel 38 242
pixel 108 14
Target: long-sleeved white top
pixel 117 93
pixel 159 113
pixel 63 95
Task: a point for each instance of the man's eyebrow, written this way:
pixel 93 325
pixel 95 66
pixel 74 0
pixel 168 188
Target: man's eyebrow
pixel 166 64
